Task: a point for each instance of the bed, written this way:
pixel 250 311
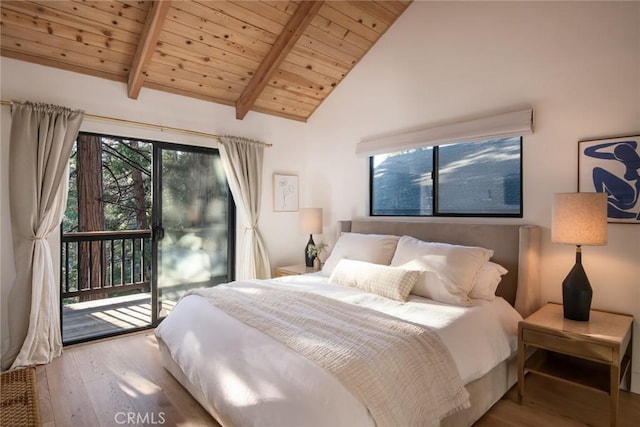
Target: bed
pixel 244 376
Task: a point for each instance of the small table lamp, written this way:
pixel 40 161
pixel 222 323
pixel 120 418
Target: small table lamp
pixel 578 219
pixel 310 222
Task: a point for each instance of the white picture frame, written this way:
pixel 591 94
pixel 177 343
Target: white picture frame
pixel 285 193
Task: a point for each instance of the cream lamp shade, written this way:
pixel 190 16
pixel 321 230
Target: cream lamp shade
pixel 579 219
pixel 311 220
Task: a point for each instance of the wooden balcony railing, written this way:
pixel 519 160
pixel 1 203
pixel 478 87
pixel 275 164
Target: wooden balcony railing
pixel 98 264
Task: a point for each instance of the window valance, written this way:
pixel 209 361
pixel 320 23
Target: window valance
pixel 516 123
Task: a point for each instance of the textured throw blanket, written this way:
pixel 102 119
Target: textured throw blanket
pixel 402 372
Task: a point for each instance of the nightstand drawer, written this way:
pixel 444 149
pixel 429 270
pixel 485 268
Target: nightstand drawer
pixel 567 345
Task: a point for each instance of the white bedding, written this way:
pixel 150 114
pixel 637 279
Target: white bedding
pixel 254 380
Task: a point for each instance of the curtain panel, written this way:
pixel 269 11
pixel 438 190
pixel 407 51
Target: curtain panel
pixel 42 137
pixel 242 163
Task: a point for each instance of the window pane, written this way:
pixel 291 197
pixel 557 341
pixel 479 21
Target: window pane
pixel 402 184
pixel 480 178
pixel 194 215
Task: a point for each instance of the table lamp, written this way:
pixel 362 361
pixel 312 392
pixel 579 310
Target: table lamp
pixel 578 219
pixel 310 223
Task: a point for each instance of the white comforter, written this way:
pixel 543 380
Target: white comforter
pixel 254 380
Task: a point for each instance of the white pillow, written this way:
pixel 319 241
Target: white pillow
pixel 374 248
pixel 429 285
pixel 390 282
pixel 449 270
pixel 487 281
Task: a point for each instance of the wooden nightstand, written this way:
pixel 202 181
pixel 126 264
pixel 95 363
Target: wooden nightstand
pixel 594 354
pixel 293 270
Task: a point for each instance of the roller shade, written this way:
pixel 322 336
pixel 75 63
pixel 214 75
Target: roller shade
pixel 516 123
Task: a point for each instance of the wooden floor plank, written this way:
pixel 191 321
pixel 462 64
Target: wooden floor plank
pixel 110 403
pixel 509 413
pixel 69 396
pixel 191 411
pixel 44 398
pixel 106 316
pixel 550 403
pixel 93 382
pixel 150 400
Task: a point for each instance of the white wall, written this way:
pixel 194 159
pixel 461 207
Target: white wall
pixel 576 63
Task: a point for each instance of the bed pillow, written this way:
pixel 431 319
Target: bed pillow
pixel 373 248
pixel 449 270
pixel 487 281
pixel 391 282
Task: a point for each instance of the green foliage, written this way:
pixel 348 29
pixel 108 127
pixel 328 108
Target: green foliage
pixel 70 219
pixel 122 159
pixel 315 250
pixel 193 190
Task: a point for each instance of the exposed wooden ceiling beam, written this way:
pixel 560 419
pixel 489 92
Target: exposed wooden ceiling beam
pixel 300 19
pixel 148 39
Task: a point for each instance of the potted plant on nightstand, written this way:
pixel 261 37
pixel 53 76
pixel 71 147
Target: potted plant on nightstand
pixel 314 251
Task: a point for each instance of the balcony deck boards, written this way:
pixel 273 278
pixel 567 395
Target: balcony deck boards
pixel 91 319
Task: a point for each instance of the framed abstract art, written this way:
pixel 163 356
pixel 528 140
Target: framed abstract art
pixel 285 193
pixel 612 166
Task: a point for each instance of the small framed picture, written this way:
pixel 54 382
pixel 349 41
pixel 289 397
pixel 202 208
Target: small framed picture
pixel 285 193
pixel 612 166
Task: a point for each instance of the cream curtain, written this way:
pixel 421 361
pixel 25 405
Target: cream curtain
pixel 41 140
pixel 242 163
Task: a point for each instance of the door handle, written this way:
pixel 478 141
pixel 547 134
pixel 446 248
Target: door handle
pixel 158 233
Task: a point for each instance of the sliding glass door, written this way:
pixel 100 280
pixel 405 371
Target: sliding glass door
pixel 193 216
pixel 145 222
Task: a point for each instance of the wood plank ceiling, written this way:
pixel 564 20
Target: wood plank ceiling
pixel 276 57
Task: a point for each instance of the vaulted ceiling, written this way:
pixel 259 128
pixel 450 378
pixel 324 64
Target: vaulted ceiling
pixel 276 57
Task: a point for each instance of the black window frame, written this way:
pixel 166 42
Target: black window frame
pixel 156 189
pixel 435 195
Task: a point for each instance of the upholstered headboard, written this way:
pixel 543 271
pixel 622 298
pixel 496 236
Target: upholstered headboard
pixel 516 247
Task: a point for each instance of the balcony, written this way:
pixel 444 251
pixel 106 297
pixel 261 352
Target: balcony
pixel 106 285
pixel 106 279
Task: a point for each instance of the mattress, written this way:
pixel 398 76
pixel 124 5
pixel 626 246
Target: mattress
pixel 245 378
pixel 483 392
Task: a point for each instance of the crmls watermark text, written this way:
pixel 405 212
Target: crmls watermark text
pixel 136 418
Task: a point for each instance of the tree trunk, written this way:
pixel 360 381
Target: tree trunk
pixel 138 194
pixel 141 212
pixel 90 214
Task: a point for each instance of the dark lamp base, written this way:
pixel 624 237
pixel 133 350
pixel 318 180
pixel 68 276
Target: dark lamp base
pixel 308 261
pixel 576 294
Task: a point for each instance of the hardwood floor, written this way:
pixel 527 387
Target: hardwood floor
pixel 102 383
pixel 120 381
pixel 550 403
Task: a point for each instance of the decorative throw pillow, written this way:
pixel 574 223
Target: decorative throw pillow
pixel 374 248
pixel 390 282
pixel 449 270
pixel 487 281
